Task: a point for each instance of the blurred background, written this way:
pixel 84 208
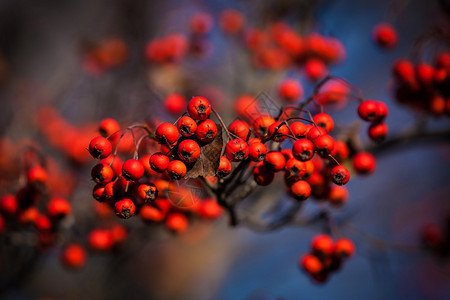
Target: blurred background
pixel 47 69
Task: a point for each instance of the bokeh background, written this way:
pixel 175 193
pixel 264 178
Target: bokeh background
pixel 42 45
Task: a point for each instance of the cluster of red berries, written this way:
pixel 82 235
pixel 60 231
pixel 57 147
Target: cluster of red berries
pixel 326 256
pixel 374 112
pixel 424 87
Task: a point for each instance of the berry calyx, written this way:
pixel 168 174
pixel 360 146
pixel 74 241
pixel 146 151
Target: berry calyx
pixel 187 126
pixel 125 208
pixel 340 175
pixel 199 108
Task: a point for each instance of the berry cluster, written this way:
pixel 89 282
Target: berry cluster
pixel 326 256
pixel 424 87
pixel 374 112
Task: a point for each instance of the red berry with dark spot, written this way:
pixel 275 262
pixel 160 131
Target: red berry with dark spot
pixel 295 168
pixel 224 167
pixel 261 125
pixel 100 147
pixel 344 248
pixel 257 151
pixel 300 190
pixel 275 161
pixel 58 208
pixel 299 129
pixel 108 127
pixel 278 131
pixel 324 145
pixel 167 134
pixel 303 149
pixel 236 150
pixel 188 151
pixel 187 126
pixel 176 169
pixel 325 121
pixel 340 175
pixel 147 192
pixel 125 208
pixel 199 108
pixel 102 173
pixel 206 131
pixel 132 170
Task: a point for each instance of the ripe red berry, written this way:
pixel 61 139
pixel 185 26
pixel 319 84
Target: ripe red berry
pixel 344 248
pixel 159 162
pixel 299 129
pixel 224 167
pixel 300 190
pixel 257 151
pixel 385 35
pixel 425 73
pixel 261 125
pixel 262 175
pixel 378 131
pixel 404 72
pixel 177 222
pixel 188 151
pixel 167 134
pixel 102 173
pixel 322 245
pixel 295 168
pixel 176 169
pixel 311 264
pixel 132 170
pixel 100 147
pixel 287 153
pixel 315 132
pixel 58 208
pixel 8 205
pixel 43 223
pixel 372 111
pixel 175 104
pixel 206 131
pixel 325 121
pixel 150 213
pixel 340 175
pixel 274 161
pixel 73 256
pixel 240 129
pixel 187 126
pixel 36 175
pixel 199 108
pixel 107 127
pixel 236 150
pixel 341 151
pixel 201 23
pixel 210 209
pixel 100 239
pixel 324 145
pixel 290 90
pixel 315 69
pixel 28 216
pixel 281 131
pixel 303 149
pixel 125 208
pixel 147 192
pixel 231 21
pixel 364 163
pixel 338 195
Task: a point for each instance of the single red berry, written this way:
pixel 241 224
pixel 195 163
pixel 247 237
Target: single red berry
pixel 176 169
pixel 177 222
pixel 108 127
pixel 261 125
pixel 240 129
pixel 382 111
pixel 404 72
pixel 262 175
pixel 206 131
pixel 299 129
pixel 338 195
pixel 231 21
pixel 100 147
pixel 311 264
pixel 315 69
pixel 236 150
pixel 201 23
pixel 8 205
pixel 224 167
pixel 189 151
pixel 210 209
pixel 314 132
pixel 132 170
pixel 100 239
pixel 325 121
pixel 437 105
pixel 364 163
pixel 73 256
pixel 274 161
pixel 344 248
pixel 43 223
pixel 254 140
pixel 28 216
pixel 147 192
pixel 199 108
pixel 303 149
pixel 36 175
pixel 125 208
pixel 378 131
pixel 167 134
pixel 187 126
pixel 119 233
pixel 287 153
pixel 341 152
pixel 295 168
pixel 425 73
pixel 385 35
pixel 322 245
pixel 324 145
pixel 150 213
pixel 290 90
pixel 159 162
pixel 300 190
pixel 175 104
pixel 102 173
pixel 58 208
pixel 278 131
pixel 340 175
pixel 257 151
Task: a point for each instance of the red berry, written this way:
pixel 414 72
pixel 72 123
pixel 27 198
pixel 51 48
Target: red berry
pixel 364 163
pixel 100 239
pixel 344 248
pixel 290 90
pixel 167 134
pixel 368 110
pixel 132 170
pixel 425 73
pixel 231 21
pixel 257 151
pixel 303 149
pixel 299 129
pixel 315 69
pixel 385 35
pixel 378 131
pixel 300 190
pixel 175 104
pixel 147 192
pixel 159 162
pixel 201 23
pixel 261 125
pixel 36 175
pixel 240 129
pixel 58 208
pixel 236 150
pixel 287 153
pixel 281 132
pixel 151 214
pixel 322 245
pixel 325 121
pixel 115 163
pixel 199 108
pixel 125 208
pixel 262 175
pixel 43 223
pixel 210 209
pixel 206 131
pixel 100 147
pixel 311 264
pixel 28 216
pixel 324 145
pixel 274 161
pixel 102 173
pixel 315 132
pixel 73 256
pixel 188 151
pixel 176 169
pixel 187 126
pixel 295 168
pixel 224 167
pixel 177 222
pixel 108 127
pixel 8 205
pixel 404 72
pixel 340 175
pixel 338 195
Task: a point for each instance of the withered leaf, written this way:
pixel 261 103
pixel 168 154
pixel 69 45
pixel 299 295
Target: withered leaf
pixel 208 162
